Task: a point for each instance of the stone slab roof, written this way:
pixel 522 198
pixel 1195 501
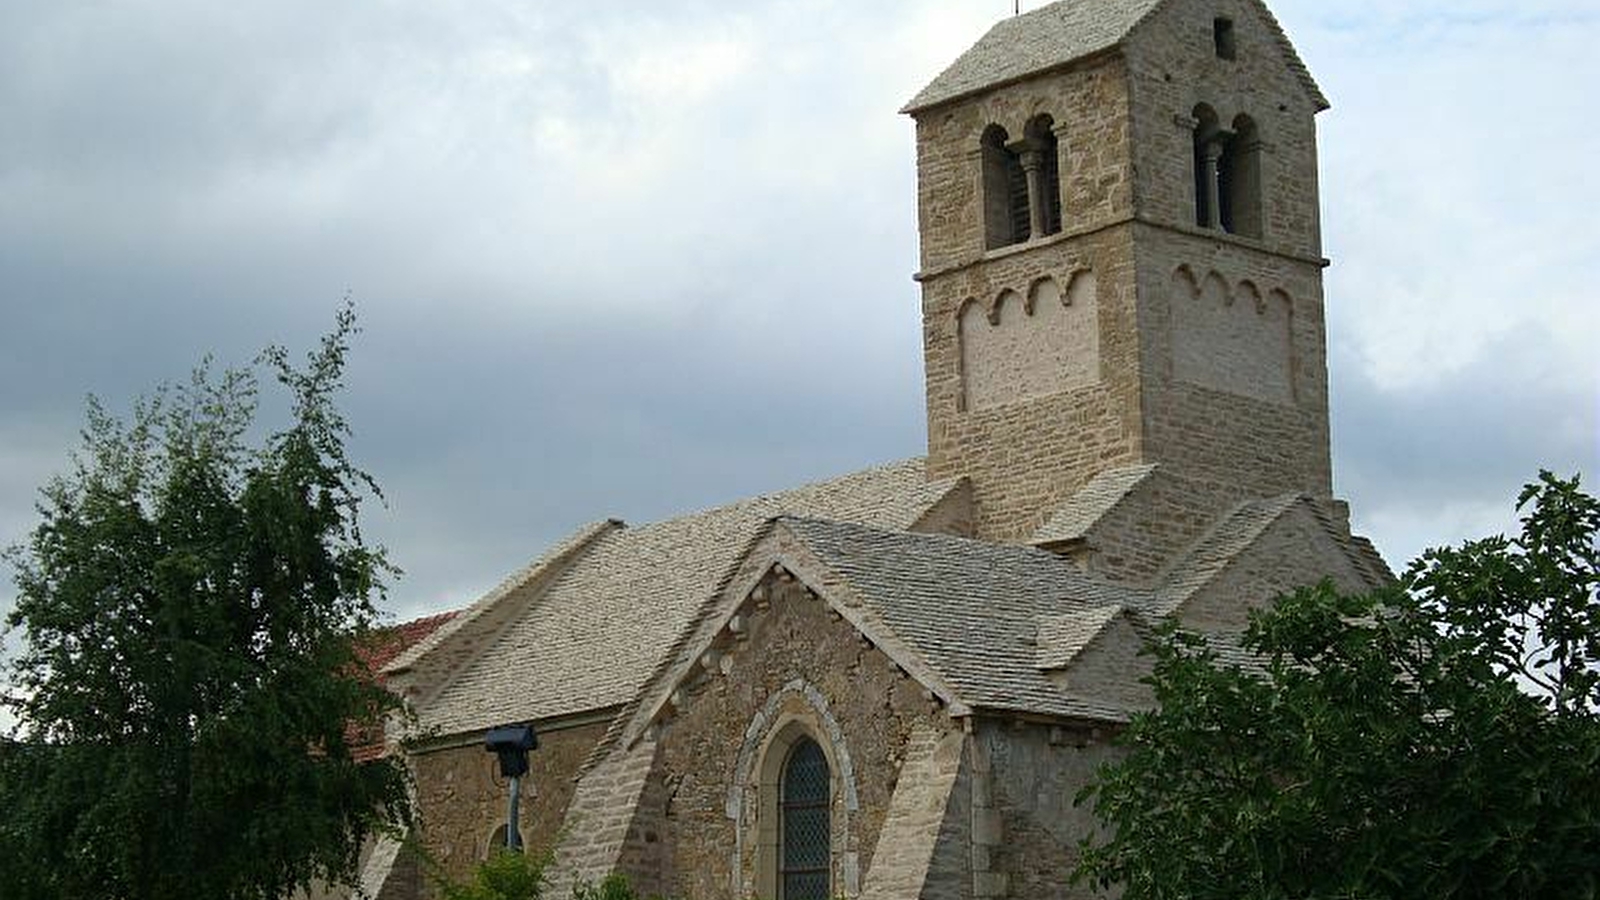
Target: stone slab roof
pixel 1062 637
pixel 971 609
pixel 1090 504
pixel 599 628
pixel 1229 538
pixel 1056 35
pixel 1033 42
pixel 1245 525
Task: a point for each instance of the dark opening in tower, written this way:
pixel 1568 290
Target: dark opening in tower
pixel 1005 190
pixel 1227 174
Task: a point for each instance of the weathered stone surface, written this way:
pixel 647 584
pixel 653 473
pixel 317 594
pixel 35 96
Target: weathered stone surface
pixel 921 816
pixel 797 664
pixel 463 799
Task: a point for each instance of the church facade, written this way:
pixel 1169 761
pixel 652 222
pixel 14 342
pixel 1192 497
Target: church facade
pixel 892 684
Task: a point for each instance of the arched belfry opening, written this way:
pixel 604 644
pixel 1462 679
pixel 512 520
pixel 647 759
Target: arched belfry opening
pixel 1227 171
pixel 1005 190
pixel 1021 183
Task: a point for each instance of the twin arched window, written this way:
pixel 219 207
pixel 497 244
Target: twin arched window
pixel 1227 174
pixel 805 836
pixel 1021 183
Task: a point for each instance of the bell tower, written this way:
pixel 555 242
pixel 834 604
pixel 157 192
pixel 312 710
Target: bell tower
pixel 1121 258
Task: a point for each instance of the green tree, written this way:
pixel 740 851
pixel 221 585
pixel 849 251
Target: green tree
pixel 505 875
pixel 190 604
pixel 1437 739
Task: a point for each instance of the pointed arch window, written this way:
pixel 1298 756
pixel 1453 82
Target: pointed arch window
pixel 806 836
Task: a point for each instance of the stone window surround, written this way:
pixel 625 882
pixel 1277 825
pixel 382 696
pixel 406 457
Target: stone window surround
pixel 1028 152
pixel 797 710
pixel 1239 144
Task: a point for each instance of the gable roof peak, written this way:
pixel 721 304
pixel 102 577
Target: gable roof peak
pixel 1060 33
pixel 1032 42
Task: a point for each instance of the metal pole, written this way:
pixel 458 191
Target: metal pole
pixel 513 839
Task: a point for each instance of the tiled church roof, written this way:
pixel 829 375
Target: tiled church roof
pixel 971 609
pixel 1058 34
pixel 1033 42
pixel 1090 504
pixel 591 637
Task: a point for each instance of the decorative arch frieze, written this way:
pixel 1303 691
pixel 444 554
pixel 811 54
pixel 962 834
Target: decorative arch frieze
pixel 1028 343
pixel 1231 335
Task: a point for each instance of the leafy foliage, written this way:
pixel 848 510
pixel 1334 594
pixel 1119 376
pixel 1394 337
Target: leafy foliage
pixel 190 605
pixel 505 875
pixel 612 887
pixel 1437 739
pixel 512 875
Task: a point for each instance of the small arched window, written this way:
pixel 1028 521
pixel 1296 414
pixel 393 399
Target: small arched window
pixel 805 840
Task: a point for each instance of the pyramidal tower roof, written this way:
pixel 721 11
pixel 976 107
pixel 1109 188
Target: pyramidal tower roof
pixel 1054 36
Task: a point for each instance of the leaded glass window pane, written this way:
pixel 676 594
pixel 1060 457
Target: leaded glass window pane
pixel 806 833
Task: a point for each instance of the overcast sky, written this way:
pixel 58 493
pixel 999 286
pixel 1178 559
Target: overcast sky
pixel 635 258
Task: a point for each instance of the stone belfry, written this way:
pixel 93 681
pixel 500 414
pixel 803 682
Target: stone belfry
pixel 1121 261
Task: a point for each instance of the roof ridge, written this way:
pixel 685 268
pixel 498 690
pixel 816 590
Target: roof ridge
pixel 923 535
pixel 778 495
pixel 1171 591
pixel 664 665
pixel 1081 29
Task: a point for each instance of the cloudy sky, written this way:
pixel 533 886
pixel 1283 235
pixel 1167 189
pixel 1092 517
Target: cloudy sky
pixel 634 258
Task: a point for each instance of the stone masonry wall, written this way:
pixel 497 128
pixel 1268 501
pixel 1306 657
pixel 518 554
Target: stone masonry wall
pixel 1089 107
pixel 1225 439
pixel 1026 457
pixel 1221 407
pixel 1037 770
pixel 792 647
pixel 1173 67
pixel 463 799
pixel 1022 348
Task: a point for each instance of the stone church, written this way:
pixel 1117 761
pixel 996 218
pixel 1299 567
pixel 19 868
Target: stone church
pixel 892 684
